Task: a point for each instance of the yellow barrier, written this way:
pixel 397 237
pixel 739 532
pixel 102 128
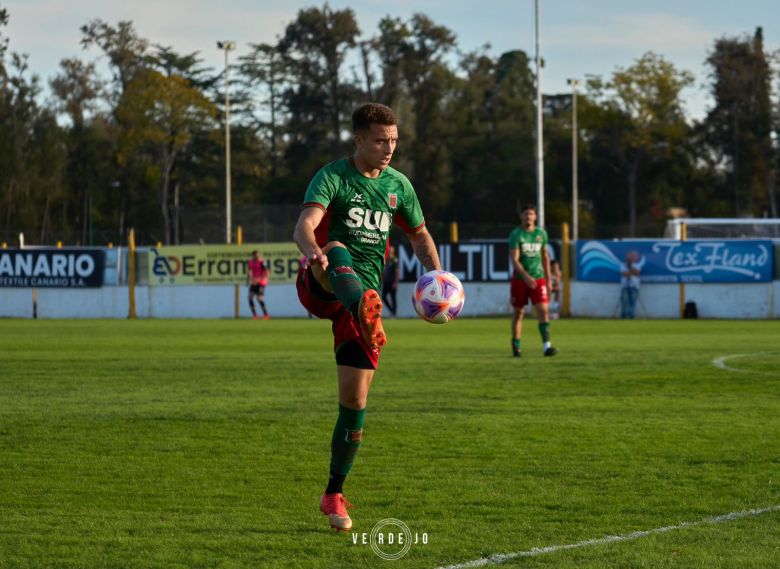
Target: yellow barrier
pixel 566 266
pixel 239 242
pixel 131 272
pixel 683 237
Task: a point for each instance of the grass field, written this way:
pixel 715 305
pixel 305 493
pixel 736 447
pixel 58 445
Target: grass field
pixel 206 444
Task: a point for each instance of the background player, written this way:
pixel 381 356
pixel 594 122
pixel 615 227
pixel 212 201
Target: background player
pixel 342 230
pixel 531 278
pixel 257 279
pixel 392 275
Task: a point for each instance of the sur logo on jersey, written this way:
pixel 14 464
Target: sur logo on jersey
pixel 532 249
pixel 365 218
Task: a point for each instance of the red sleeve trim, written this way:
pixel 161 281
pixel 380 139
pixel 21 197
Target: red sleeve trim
pixel 403 225
pixel 416 229
pixel 314 204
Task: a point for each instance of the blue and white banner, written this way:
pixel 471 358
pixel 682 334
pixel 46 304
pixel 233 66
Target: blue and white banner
pixel 696 261
pixel 52 268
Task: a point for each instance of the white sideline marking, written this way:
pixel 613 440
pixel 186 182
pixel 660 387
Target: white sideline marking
pixel 536 551
pixel 721 363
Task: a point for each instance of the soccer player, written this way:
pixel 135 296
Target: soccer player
pixel 257 279
pixel 342 230
pixel 531 278
pixel 390 280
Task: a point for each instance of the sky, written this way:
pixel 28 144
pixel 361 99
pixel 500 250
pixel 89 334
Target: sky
pixel 578 38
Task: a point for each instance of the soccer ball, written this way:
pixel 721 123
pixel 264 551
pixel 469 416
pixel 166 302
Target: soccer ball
pixel 438 297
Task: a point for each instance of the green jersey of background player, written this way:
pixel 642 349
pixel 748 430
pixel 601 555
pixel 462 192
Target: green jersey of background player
pixel 342 232
pixel 531 278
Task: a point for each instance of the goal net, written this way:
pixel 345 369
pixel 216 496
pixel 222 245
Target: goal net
pixel 723 228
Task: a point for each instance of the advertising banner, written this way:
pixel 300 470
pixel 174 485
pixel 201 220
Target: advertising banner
pixel 220 264
pixel 52 268
pixel 695 261
pixel 475 261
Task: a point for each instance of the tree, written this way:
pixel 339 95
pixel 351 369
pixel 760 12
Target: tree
pixel 3 47
pixel 739 126
pixel 316 45
pixel 162 114
pixel 128 54
pixel 390 45
pixel 266 75
pixel 429 84
pixel 76 90
pixel 492 114
pixel 641 116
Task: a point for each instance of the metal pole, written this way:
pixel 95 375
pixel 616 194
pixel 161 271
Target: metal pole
pixel 566 266
pixel 237 304
pixel 575 201
pixel 227 46
pixel 228 197
pixel 539 135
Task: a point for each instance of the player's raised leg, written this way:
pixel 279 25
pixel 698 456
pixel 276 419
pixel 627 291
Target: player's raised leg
pixel 364 305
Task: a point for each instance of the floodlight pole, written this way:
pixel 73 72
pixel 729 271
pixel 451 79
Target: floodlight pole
pixel 226 46
pixel 574 189
pixel 539 134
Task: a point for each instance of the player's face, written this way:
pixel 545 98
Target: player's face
pixel 375 146
pixel 528 217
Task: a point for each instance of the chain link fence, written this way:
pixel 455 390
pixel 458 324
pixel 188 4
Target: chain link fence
pixel 272 223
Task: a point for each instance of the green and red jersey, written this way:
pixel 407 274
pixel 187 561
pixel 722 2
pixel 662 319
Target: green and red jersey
pixel 531 245
pixel 360 211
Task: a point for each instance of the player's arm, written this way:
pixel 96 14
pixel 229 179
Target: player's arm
pixel 514 256
pixel 425 249
pixel 308 221
pixel 248 274
pixel 546 268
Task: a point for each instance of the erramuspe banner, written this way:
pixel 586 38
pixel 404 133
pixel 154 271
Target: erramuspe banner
pixel 52 268
pixel 695 261
pixel 221 264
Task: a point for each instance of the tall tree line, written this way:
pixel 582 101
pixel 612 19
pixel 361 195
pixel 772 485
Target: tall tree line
pixel 144 146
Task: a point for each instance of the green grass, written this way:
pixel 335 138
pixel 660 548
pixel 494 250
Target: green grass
pixel 206 444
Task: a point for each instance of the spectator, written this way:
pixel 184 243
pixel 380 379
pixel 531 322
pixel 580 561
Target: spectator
pixel 629 285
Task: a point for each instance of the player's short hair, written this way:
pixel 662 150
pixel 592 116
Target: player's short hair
pixel 372 113
pixel 255 252
pixel 525 207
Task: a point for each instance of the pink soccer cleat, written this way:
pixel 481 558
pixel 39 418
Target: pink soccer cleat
pixel 370 315
pixel 335 507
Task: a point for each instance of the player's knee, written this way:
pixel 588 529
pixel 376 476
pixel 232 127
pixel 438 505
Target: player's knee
pixel 353 401
pixel 321 277
pixel 331 244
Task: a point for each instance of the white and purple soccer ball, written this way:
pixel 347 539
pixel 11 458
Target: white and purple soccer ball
pixel 438 297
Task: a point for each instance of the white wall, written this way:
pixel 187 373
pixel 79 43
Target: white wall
pixel 602 300
pixel 594 300
pixel 16 303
